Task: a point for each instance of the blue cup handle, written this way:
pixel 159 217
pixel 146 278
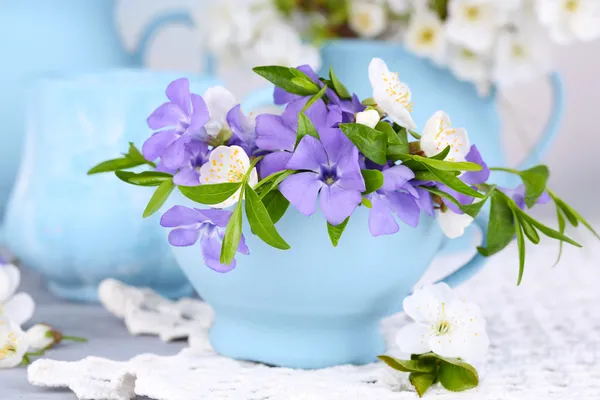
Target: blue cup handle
pixel 473 266
pixel 552 126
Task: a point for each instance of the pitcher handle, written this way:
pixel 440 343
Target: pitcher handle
pixel 472 266
pixel 552 126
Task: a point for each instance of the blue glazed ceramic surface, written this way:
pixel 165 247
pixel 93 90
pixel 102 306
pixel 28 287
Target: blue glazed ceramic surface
pixel 40 36
pixel 314 305
pixel 76 229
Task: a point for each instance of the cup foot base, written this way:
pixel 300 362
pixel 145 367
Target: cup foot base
pixel 303 343
pixel 89 293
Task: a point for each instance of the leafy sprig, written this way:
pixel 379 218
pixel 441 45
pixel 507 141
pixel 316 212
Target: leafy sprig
pixel 133 158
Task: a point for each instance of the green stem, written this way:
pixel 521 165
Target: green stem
pixel 414 134
pixel 509 170
pixel 75 339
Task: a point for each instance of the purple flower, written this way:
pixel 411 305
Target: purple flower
pixel 399 196
pixel 518 195
pixel 181 119
pixel 471 178
pixel 208 226
pixel 243 131
pixel 342 111
pixel 196 154
pixel 277 133
pixel 330 167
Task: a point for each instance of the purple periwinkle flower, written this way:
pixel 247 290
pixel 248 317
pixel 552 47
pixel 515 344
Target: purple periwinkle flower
pixel 343 111
pixel 471 178
pixel 207 226
pixel 518 195
pixel 196 155
pixel 330 168
pixel 243 131
pixel 181 120
pixel 277 133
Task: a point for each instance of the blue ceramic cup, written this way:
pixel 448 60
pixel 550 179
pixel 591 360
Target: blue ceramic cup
pixel 315 305
pixel 76 229
pixel 40 36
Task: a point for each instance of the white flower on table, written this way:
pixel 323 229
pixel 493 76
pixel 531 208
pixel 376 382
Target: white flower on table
pixel 18 307
pixel 522 55
pixel 218 101
pixel 444 324
pixel 439 134
pixel 368 118
pixel 13 343
pixel 367 18
pixel 391 95
pixel 425 36
pixel 474 24
pixel 227 164
pixel 40 337
pixel 570 20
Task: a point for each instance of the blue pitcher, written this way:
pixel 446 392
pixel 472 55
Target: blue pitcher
pixel 39 36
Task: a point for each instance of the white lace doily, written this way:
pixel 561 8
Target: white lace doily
pixel 545 339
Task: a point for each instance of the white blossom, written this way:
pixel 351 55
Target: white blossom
pixel 444 324
pixel 18 307
pixel 40 337
pixel 439 134
pixel 474 24
pixel 369 118
pixel 570 20
pixel 425 36
pixel 13 343
pixel 470 66
pixel 218 101
pixel 390 94
pixel 367 18
pixel 227 164
pixel 453 224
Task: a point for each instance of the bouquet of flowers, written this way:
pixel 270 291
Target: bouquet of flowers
pixel 482 41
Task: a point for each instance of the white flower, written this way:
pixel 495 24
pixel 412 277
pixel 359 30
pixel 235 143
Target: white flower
pixel 425 36
pixel 522 55
pixel 367 18
pixel 218 101
pixel 452 224
pixel 444 324
pixel 474 23
pixel 469 66
pixel 18 307
pixel 399 6
pixel 227 164
pixel 570 20
pixel 438 134
pixel 13 343
pixel 369 118
pixel 280 44
pixel 391 95
pixel 40 337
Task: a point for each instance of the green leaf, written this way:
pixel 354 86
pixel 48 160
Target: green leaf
pixel 276 205
pixel 546 230
pixel 535 180
pixel 335 232
pixel 369 141
pixel 501 228
pixel 271 182
pixel 447 165
pixel 475 208
pixel 291 80
pixel 315 98
pixel 442 194
pixel 572 214
pixel 408 365
pixel 339 88
pixel 260 221
pixel 457 376
pixel 442 154
pixel 520 245
pixel 135 155
pixel 422 381
pixel 233 234
pixel 366 202
pixel 114 165
pixel 210 193
pixel 397 141
pixel 453 182
pixel 562 225
pixel 305 127
pixel 528 229
pixel 146 178
pixel 161 194
pixel 373 180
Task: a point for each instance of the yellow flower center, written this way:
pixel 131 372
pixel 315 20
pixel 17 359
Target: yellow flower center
pixel 445 137
pixel 10 347
pixel 427 36
pixel 472 13
pixel 364 20
pixel 397 90
pixel 518 51
pixel 443 326
pixel 572 5
pixel 466 53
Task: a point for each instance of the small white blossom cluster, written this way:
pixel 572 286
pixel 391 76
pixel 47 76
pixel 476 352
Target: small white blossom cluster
pixel 252 32
pixel 482 41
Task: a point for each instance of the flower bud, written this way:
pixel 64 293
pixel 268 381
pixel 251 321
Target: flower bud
pixel 369 118
pixel 42 336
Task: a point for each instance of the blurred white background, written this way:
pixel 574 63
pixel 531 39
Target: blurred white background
pixel 525 109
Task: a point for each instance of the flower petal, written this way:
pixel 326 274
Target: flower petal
pixel 406 207
pixel 396 176
pixel 167 114
pixel 178 92
pixel 174 155
pixel 414 339
pixel 211 251
pixel 395 110
pixel 219 218
pixel 187 177
pixel 302 190
pixel 181 216
pixel 424 201
pixel 273 134
pixel 338 204
pixel 219 101
pixel 476 177
pixel 274 162
pixel 381 219
pixel 309 155
pixel 10 278
pixel 182 237
pixel 156 144
pixel 377 70
pixel 200 117
pixel 10 329
pixel 19 308
pixel 424 305
pixel 453 224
